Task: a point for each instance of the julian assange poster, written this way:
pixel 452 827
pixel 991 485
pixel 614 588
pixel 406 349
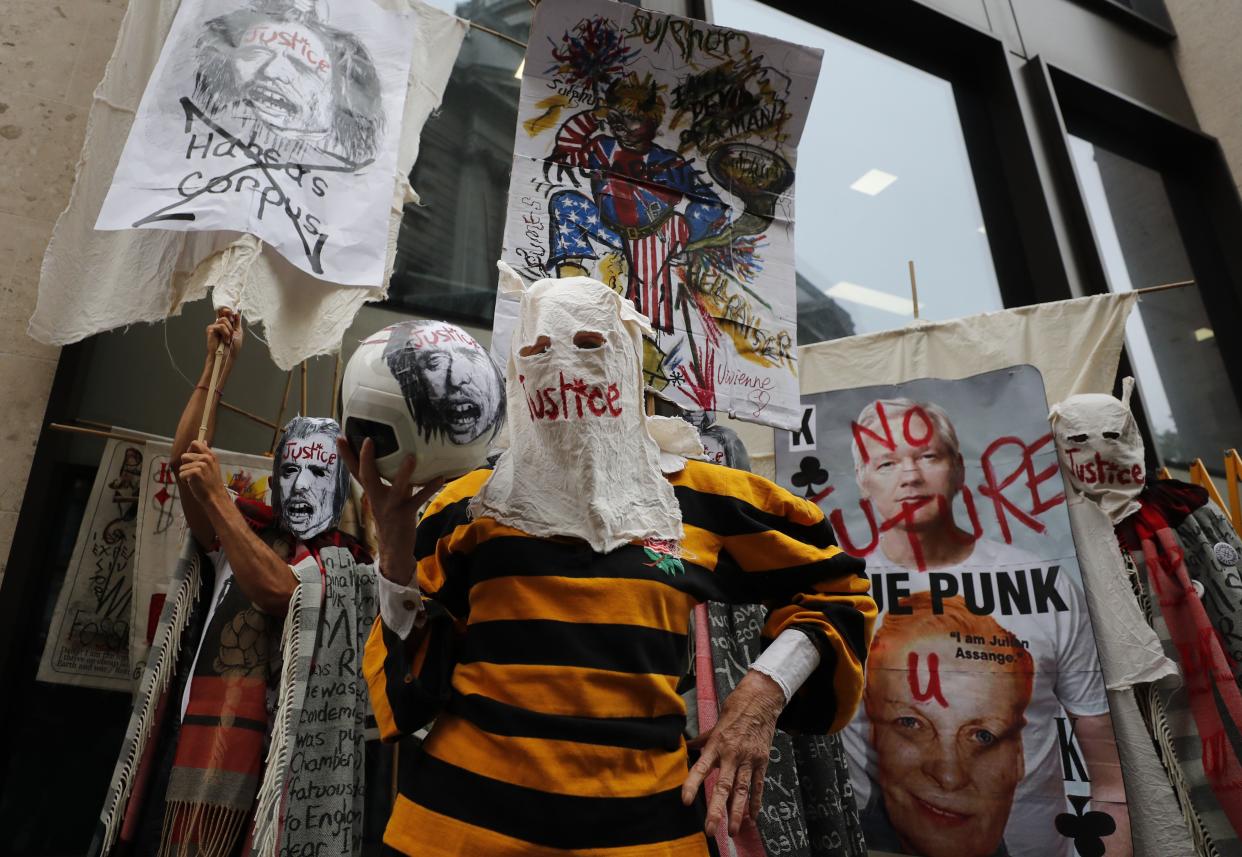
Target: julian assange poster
pixel 984 721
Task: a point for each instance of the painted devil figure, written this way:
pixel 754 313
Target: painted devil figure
pixel 646 202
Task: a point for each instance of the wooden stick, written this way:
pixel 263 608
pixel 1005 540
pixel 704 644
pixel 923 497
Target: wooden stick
pixel 336 383
pixel 303 410
pixel 1233 474
pixel 209 406
pixel 651 404
pixel 914 288
pixel 1164 287
pixel 1199 476
pixel 497 34
pixel 110 435
pixel 280 415
pixel 243 413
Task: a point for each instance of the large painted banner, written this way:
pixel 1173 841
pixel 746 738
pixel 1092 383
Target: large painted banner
pixel 984 723
pixel 88 640
pixel 279 118
pixel 657 154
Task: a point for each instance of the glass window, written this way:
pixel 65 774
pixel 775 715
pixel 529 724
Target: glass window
pixel 448 246
pixel 1170 339
pixel 883 177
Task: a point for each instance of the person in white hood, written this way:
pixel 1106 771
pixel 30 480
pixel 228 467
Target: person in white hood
pixel 539 613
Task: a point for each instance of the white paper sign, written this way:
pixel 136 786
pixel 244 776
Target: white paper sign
pixel 275 117
pixel 657 154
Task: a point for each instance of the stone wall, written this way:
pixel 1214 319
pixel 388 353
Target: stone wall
pixel 1210 62
pixel 52 54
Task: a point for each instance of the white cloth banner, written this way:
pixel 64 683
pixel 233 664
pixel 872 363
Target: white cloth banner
pixel 88 639
pixel 1075 345
pixel 657 154
pixel 94 281
pixel 161 530
pixel 276 118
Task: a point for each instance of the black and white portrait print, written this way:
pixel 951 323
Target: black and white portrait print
pixel 281 119
pixel 309 485
pixel 453 388
pixel 278 67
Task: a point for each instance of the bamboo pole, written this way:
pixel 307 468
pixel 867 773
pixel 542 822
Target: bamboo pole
pixel 1233 474
pixel 304 411
pixel 1164 287
pixel 497 34
pixel 209 406
pixel 914 288
pixel 336 384
pixel 280 415
pixel 94 432
pixel 244 413
pixel 1199 476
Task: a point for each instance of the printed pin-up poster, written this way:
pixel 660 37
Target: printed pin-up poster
pixel 657 155
pixel 984 725
pixel 275 117
pixel 88 639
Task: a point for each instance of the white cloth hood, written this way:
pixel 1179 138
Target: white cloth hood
pixel 1101 450
pixel 581 461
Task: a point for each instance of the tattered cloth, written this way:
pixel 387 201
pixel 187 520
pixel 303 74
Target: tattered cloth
pixel 1153 536
pixel 319 720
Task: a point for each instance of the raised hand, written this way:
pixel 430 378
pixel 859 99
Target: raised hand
pixel 227 328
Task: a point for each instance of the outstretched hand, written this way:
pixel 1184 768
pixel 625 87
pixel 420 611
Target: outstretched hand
pixel 738 745
pixel 394 506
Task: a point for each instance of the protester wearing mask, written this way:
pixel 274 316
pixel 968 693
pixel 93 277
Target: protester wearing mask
pixel 1175 540
pixel 539 612
pixel 282 575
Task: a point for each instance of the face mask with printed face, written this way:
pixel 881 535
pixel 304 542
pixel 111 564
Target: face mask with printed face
pixel 309 483
pixel 580 459
pixel 1101 450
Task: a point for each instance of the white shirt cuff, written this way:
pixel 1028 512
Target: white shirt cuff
pixel 789 661
pixel 401 607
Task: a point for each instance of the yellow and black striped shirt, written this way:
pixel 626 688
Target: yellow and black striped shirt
pixel 552 670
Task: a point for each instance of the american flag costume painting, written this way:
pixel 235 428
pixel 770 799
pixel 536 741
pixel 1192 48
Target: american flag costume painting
pixel 655 154
pixel 632 208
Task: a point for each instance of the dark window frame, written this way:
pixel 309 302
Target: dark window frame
pixel 1151 20
pixel 421 300
pixel 1205 200
pixel 1025 251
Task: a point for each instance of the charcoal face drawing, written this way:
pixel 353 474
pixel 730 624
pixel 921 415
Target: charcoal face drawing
pixel 279 68
pixel 449 382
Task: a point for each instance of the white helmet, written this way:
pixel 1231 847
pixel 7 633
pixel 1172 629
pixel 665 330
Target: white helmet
pixel 428 389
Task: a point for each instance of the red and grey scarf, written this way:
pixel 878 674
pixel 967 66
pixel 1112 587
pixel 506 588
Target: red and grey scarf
pixel 1214 697
pixel 218 764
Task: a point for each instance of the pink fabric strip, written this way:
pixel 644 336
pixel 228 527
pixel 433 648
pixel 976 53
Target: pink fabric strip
pixel 747 842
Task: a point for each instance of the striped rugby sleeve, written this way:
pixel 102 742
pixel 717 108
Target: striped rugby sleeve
pixel 409 679
pixel 779 550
